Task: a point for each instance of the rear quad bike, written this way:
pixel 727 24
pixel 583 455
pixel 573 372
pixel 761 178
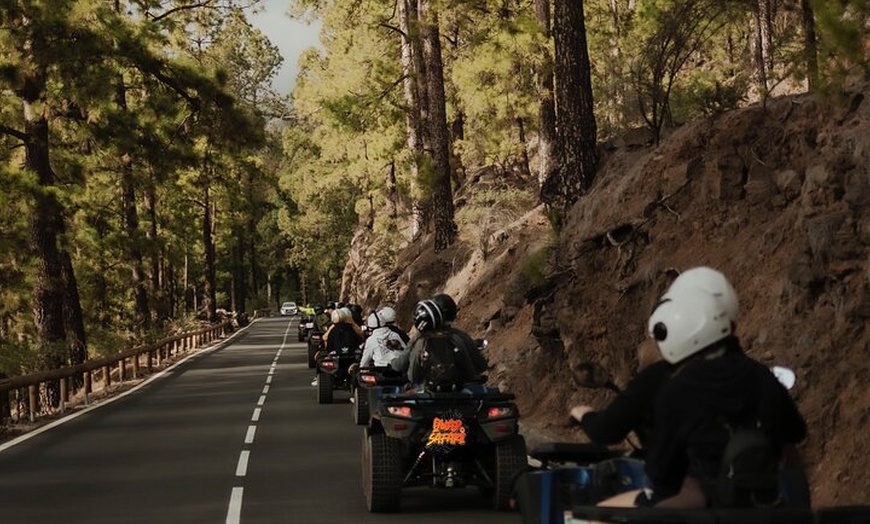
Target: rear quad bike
pixel 315 344
pixel 368 386
pixel 306 325
pixel 442 440
pixel 762 515
pixel 333 372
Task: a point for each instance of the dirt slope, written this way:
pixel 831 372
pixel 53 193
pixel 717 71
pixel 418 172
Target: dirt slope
pixel 776 197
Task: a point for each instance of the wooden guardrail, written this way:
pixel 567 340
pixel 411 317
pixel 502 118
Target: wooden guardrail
pixel 21 394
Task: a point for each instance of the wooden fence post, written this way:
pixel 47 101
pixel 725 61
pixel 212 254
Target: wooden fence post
pixel 63 395
pixel 31 402
pixel 88 387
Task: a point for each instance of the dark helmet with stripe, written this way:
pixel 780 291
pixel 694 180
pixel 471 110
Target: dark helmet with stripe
pixel 435 312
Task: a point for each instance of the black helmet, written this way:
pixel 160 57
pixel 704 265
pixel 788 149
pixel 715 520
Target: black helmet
pixel 318 309
pixel 435 312
pixel 356 312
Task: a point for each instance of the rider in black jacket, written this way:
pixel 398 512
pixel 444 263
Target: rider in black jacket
pixel 631 410
pixel 633 407
pixel 714 389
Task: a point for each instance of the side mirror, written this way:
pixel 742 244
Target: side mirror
pixel 784 375
pixel 481 343
pixel 591 375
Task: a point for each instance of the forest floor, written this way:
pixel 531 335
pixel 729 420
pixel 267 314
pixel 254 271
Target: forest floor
pixel 775 196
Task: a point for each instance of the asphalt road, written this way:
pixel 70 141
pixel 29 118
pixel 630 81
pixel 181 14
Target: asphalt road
pixel 231 435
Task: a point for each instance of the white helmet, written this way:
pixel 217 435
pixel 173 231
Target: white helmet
pixel 711 281
pixel 373 321
pixel 688 321
pixel 387 315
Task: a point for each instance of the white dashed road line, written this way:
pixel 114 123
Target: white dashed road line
pixel 234 512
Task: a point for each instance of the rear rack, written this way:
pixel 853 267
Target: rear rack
pixel 453 395
pixel 833 515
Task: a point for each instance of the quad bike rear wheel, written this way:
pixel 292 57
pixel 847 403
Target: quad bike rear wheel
pixel 360 413
pixel 382 472
pixel 324 388
pixel 312 363
pixel 510 461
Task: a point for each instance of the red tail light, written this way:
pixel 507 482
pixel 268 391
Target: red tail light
pixel 400 411
pixel 328 365
pixel 495 412
pixel 370 380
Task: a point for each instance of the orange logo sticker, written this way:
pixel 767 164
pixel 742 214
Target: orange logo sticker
pixel 447 432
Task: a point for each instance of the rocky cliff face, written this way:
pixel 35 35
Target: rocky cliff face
pixel 776 197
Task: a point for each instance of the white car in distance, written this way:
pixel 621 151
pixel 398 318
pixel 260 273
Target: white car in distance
pixel 289 309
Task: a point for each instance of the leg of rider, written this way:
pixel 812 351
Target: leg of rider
pixel 690 496
pixel 623 500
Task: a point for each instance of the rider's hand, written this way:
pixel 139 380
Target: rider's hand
pixel 578 412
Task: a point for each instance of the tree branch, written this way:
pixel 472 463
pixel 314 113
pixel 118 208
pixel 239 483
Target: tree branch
pixel 174 10
pixel 13 132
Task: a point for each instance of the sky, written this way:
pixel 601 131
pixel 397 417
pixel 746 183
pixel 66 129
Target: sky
pixel 289 35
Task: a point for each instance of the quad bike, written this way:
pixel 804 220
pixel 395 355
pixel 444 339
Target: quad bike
pixel 315 345
pixel 306 325
pixel 442 440
pixel 333 372
pixel 568 473
pixel 368 386
pixel 777 515
pixel 572 478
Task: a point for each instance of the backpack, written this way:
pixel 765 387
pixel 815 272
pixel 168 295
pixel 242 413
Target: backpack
pixel 343 339
pixel 749 471
pixel 399 331
pixel 444 362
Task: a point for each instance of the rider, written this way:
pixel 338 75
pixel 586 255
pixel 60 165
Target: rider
pixel 384 344
pixel 343 335
pixel 433 318
pixel 714 387
pixel 356 312
pixel 632 409
pixel 342 321
pixel 321 319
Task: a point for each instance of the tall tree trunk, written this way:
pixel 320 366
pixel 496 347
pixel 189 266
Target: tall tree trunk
pixel 55 297
pixel 392 195
pixel 209 274
pixel 159 288
pixel 73 316
pixel 762 44
pixel 811 50
pixel 131 225
pixel 48 286
pixel 251 242
pixel 46 215
pixel 575 119
pixel 442 194
pixel 414 81
pixel 547 140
